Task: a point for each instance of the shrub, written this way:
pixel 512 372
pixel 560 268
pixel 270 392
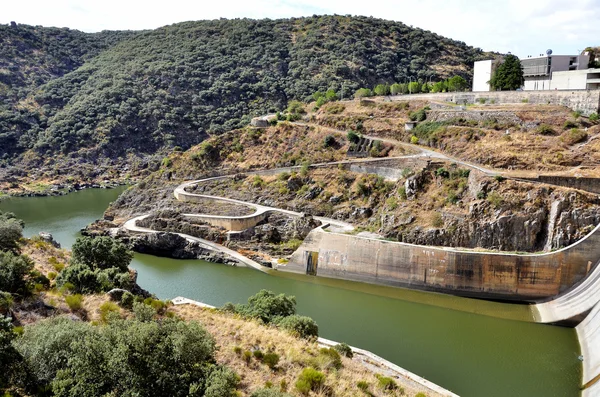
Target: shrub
pixel 237 350
pixel 271 360
pixel 329 141
pixel 335 108
pixel 143 312
pixel 52 275
pixel 247 356
pixel 499 178
pixel 495 199
pixel 221 382
pixel 75 302
pixel 569 124
pixel 258 355
pixel 363 93
pixel 295 107
pixel 437 220
pixel 363 386
pixel 257 181
pixel 353 137
pixel 166 163
pixel 442 172
pixel 344 350
pixel 268 392
pixel 545 129
pixel 420 394
pixel 102 253
pixel 107 311
pixel 127 300
pixel 6 302
pixel 310 380
pixel 13 271
pixel 593 117
pixel 402 193
pixel 266 306
pixel 419 115
pixel 385 383
pixel 302 326
pixel 381 89
pixel 332 357
pixel 414 140
pixel 576 114
pixel 11 231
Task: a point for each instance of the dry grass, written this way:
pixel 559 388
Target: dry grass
pixel 231 332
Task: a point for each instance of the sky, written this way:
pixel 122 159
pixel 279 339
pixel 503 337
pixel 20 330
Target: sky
pixel 523 27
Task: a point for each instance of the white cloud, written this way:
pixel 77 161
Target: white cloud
pixel 521 26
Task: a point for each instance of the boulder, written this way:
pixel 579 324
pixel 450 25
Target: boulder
pixel 47 237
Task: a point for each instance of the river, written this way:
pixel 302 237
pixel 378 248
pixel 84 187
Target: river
pixel 453 342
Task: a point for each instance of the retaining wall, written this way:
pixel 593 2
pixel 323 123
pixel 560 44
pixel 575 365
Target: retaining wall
pixel 584 183
pixel 588 101
pixel 232 223
pixel 468 273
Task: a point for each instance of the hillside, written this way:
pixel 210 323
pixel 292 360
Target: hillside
pixel 176 85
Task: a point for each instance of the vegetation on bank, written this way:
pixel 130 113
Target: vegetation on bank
pixel 83 344
pixel 176 85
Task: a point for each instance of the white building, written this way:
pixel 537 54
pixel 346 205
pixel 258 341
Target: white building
pixel 538 71
pixel 482 73
pixel 545 72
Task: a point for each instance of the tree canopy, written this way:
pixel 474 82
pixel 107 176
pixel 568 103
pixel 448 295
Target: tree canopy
pixel 115 94
pixel 508 75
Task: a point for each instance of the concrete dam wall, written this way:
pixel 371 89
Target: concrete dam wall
pixel 467 273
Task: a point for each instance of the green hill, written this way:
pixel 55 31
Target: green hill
pixel 114 94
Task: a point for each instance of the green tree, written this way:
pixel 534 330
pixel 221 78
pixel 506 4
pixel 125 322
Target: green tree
pixel 414 87
pixel 267 306
pixel 508 75
pixel 125 358
pixel 381 89
pixel 102 253
pixel 396 89
pixel 363 93
pixel 13 271
pixel 331 96
pixel 456 83
pixel 11 231
pixel 425 88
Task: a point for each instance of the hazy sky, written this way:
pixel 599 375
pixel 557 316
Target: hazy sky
pixel 524 27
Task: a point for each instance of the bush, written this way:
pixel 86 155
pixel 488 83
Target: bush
pixel 107 311
pixel 267 306
pixel 268 392
pixel 332 357
pixel 419 115
pixel 569 124
pixel 302 326
pixel 127 300
pixel 363 386
pixel 257 181
pixel 594 117
pixel 310 380
pixel 6 302
pixel 499 178
pixel 271 360
pixel 363 93
pixel 344 350
pixel 329 141
pixel 247 356
pixel 545 129
pixel 102 253
pixel 170 358
pixel 420 394
pixel 414 140
pixel 442 172
pixel 258 355
pixel 495 199
pixel 437 220
pixel 353 137
pixel 13 272
pixel 75 302
pixel 385 383
pixel 402 193
pixel 143 312
pixel 11 231
pixel 221 382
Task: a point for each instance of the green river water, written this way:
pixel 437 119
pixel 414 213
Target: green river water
pixel 448 340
